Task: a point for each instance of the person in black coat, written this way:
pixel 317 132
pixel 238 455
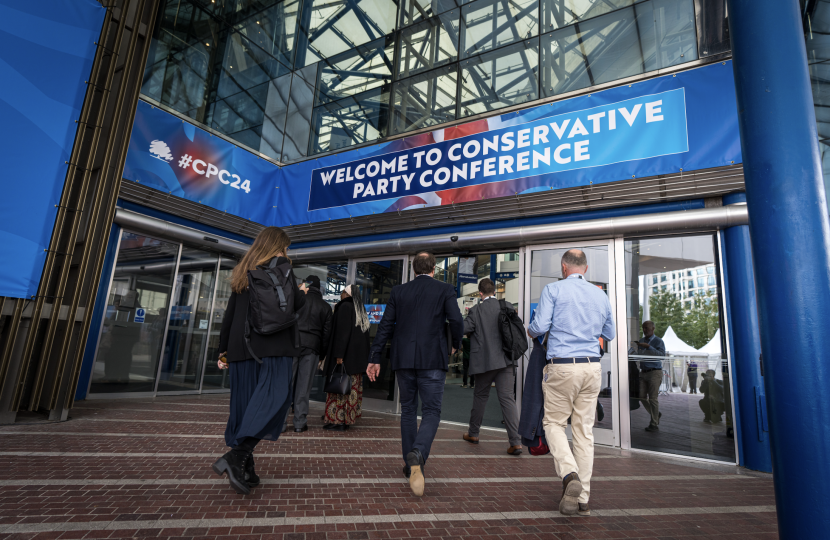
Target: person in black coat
pixel 314 323
pixel 415 319
pixel 260 392
pixel 349 352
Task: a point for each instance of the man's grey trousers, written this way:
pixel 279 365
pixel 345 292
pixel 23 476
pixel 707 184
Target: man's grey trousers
pixel 304 369
pixel 505 380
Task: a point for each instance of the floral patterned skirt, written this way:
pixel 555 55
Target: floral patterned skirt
pixel 346 408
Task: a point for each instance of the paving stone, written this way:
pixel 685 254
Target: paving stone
pixel 145 473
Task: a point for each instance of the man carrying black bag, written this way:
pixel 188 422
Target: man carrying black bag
pixel 490 363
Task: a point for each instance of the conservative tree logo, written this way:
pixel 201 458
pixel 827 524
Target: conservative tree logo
pixel 160 150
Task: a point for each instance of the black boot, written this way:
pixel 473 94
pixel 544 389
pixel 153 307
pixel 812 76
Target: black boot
pixel 234 463
pixel 250 475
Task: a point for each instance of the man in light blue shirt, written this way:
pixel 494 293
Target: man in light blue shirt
pixel 575 314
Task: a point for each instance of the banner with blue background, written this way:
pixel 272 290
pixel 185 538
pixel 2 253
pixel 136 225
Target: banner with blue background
pixel 658 126
pixel 48 50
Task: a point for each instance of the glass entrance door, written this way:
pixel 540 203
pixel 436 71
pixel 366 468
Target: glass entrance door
pixel 134 322
pixel 544 268
pixel 376 279
pixel 186 342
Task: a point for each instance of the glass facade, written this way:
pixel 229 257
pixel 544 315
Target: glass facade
pixel 680 397
pixel 817 37
pixel 165 308
pixel 291 79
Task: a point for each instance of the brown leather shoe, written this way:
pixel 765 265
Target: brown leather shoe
pixel 514 450
pixel 584 510
pixel 469 439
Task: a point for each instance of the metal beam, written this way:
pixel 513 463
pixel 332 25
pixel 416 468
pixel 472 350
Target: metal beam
pixel 662 223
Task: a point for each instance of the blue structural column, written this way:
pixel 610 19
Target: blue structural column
pixel 788 220
pixel 747 378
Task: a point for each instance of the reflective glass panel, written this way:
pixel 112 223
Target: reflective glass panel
pixel 545 268
pixel 489 24
pixel 429 44
pixel 330 28
pixel 424 100
pixel 352 120
pixel 216 378
pixel 332 276
pixel 679 384
pixel 503 268
pixel 508 76
pixel 187 330
pixel 216 63
pixel 136 315
pixel 630 41
pixel 561 13
pixel 713 28
pixel 351 73
pixel 817 37
pixel 240 116
pixel 375 280
pixel 300 108
pixel 413 11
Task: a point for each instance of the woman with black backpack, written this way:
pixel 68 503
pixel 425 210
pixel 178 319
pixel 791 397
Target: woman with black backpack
pixel 260 363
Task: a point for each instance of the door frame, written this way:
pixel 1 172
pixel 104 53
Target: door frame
pixel 371 404
pixel 601 436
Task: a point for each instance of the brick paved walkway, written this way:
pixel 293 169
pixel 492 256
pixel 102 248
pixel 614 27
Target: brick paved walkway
pixel 141 469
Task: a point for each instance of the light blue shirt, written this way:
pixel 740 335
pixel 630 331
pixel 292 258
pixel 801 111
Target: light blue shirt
pixel 577 314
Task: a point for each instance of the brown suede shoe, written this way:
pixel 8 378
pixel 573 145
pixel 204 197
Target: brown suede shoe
pixel 514 450
pixel 571 490
pixel 469 439
pixel 584 510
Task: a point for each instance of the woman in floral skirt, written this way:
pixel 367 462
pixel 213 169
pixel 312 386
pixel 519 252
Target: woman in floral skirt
pixel 349 347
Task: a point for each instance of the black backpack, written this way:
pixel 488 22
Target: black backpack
pixel 271 293
pixel 512 330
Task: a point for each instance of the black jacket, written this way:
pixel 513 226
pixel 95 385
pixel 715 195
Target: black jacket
pixel 415 319
pixel 348 341
pixel 314 323
pixel 232 335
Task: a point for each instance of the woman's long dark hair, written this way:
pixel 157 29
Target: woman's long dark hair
pixel 270 242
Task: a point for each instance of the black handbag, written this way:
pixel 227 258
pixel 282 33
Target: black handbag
pixel 338 383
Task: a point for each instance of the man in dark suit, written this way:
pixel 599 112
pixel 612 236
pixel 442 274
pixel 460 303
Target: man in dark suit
pixel 415 319
pixel 490 365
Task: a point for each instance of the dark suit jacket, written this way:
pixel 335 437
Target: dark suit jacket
pixel 482 325
pixel 414 319
pixel 533 398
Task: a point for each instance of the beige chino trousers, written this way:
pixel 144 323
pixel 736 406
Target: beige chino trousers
pixel 571 390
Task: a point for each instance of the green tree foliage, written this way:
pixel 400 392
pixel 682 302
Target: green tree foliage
pixel 696 326
pixel 702 321
pixel 665 310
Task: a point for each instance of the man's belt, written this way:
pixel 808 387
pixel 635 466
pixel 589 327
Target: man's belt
pixel 574 360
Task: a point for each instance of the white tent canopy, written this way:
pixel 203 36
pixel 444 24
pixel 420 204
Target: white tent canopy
pixel 675 345
pixel 713 347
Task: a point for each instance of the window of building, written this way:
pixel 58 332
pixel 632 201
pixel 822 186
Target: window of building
pixel 291 79
pixel 500 78
pixel 490 24
pixel 700 282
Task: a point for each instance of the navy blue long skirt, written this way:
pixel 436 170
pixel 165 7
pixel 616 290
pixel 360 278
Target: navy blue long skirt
pixel 260 398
